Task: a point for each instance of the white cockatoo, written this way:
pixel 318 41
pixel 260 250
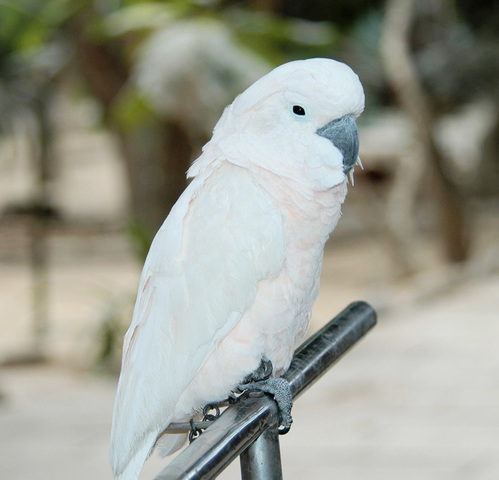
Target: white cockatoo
pixel 233 272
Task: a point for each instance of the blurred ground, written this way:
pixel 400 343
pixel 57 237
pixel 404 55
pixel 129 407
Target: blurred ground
pixel 418 398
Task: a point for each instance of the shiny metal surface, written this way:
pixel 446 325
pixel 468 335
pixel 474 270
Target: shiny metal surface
pixel 240 429
pixel 262 459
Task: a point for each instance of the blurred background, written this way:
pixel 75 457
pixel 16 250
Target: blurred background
pixel 104 105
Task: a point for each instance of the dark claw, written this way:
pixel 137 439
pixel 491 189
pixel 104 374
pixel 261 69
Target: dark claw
pixel 284 430
pixel 210 417
pixel 216 407
pixel 195 431
pixel 232 398
pixel 263 372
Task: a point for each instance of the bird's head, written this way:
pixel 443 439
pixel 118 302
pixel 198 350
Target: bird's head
pixel 297 121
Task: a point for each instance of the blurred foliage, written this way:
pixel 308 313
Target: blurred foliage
pixel 454 42
pixel 272 36
pixel 28 25
pixel 280 39
pixel 43 43
pixel 29 30
pixel 34 45
pixel 360 49
pixel 482 16
pixel 109 336
pixel 130 110
pixel 32 56
pixel 456 63
pixel 109 340
pixel 342 13
pixel 140 237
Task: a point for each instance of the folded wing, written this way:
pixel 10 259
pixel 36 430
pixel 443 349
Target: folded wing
pixel 222 237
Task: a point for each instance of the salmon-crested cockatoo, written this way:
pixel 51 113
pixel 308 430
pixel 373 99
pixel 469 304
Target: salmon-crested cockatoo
pixel 232 274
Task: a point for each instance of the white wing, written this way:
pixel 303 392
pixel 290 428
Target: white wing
pixel 221 238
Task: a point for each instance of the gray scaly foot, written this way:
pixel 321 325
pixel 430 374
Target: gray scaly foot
pixel 279 388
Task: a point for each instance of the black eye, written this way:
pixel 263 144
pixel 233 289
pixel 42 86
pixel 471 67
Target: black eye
pixel 298 110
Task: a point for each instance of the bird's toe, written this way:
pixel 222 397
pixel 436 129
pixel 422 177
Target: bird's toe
pixel 281 392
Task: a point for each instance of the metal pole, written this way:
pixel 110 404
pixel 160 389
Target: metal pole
pixel 322 350
pixel 223 441
pixel 246 422
pixel 262 459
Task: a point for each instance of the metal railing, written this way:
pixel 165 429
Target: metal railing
pixel 249 427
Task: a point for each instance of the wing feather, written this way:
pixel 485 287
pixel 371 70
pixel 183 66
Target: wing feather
pixel 222 237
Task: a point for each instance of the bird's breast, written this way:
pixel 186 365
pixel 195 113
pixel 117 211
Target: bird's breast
pixel 280 314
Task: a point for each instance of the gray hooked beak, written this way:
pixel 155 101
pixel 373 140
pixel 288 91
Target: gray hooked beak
pixel 345 137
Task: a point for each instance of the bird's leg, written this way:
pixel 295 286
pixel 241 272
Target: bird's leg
pixel 211 412
pixel 263 372
pixel 260 381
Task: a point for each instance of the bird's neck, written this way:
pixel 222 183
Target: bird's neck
pixel 310 214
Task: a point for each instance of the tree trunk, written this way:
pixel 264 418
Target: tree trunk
pixel 157 153
pixel 486 182
pixel 404 79
pixel 157 158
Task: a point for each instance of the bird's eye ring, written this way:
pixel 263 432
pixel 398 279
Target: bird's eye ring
pixel 298 110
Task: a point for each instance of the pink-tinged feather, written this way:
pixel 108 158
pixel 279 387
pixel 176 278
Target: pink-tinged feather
pixel 233 273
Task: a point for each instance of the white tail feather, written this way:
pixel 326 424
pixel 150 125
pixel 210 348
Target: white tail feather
pixel 131 469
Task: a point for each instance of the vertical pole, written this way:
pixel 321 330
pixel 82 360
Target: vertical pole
pixel 262 459
pixel 39 230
